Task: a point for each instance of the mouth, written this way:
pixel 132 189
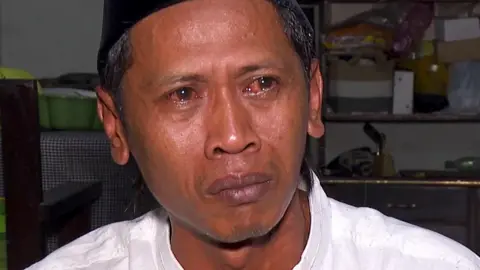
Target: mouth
pixel 240 189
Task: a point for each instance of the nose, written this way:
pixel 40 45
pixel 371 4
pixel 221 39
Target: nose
pixel 230 131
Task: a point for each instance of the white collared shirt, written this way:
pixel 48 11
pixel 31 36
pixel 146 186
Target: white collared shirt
pixel 342 237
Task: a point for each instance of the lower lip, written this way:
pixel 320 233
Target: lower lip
pixel 245 195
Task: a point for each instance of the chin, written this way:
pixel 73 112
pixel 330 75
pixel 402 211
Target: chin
pixel 241 227
pixel 243 234
pixel 256 221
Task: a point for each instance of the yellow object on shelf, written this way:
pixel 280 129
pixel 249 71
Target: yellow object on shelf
pixel 431 77
pixel 13 73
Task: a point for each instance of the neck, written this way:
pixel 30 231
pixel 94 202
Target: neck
pixel 282 249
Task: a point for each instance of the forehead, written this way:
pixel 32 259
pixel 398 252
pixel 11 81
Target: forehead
pixel 208 30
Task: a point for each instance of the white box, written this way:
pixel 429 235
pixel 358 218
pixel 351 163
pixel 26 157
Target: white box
pixel 457 29
pixel 403 92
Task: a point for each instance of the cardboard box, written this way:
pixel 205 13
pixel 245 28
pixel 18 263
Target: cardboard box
pixel 356 87
pixel 457 51
pixel 457 29
pixel 359 69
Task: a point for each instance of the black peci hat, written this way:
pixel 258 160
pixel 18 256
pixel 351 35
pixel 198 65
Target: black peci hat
pixel 120 15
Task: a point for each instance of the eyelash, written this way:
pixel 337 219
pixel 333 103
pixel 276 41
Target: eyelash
pixel 275 80
pixel 180 103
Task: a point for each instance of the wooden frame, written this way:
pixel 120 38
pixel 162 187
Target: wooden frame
pixel 30 212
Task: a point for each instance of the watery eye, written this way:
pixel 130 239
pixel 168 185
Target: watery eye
pixel 184 94
pixel 261 84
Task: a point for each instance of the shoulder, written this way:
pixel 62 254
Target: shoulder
pixel 397 242
pixel 104 247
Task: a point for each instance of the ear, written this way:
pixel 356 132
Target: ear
pixel 316 128
pixel 113 126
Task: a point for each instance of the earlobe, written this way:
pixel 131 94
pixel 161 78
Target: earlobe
pixel 316 128
pixel 113 127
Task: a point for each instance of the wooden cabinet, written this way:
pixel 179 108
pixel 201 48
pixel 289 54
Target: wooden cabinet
pixel 451 211
pixel 425 204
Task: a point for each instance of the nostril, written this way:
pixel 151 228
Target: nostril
pixel 218 151
pixel 251 145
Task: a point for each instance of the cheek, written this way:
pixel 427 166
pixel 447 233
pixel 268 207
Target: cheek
pixel 284 131
pixel 166 152
pixel 161 139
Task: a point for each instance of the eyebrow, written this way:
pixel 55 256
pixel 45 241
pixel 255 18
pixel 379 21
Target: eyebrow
pixel 185 78
pixel 165 80
pixel 261 66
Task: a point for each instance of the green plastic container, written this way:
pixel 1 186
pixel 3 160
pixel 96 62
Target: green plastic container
pixel 97 124
pixel 71 109
pixel 43 111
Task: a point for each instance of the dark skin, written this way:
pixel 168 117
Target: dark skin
pixel 216 88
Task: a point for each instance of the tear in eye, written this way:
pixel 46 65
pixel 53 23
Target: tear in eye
pixel 184 94
pixel 262 84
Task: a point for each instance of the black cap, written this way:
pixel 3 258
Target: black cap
pixel 120 15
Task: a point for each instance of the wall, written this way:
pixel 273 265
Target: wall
pixel 50 37
pixel 414 146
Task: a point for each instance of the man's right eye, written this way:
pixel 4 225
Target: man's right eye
pixel 182 95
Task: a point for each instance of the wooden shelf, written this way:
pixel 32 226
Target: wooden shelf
pixel 373 1
pixel 377 1
pixel 326 180
pixel 411 118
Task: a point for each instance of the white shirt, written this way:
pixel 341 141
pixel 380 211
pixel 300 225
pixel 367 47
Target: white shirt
pixel 341 237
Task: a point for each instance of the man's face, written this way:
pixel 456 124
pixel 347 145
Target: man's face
pixel 216 113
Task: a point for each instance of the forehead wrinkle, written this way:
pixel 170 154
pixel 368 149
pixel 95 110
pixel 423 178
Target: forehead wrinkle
pixel 203 47
pixel 195 22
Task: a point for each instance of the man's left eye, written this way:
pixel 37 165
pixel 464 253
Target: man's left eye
pixel 260 85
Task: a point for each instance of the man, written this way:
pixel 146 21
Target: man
pixel 214 99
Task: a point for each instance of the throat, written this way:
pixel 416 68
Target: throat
pixel 281 248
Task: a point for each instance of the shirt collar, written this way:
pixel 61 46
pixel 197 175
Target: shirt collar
pixel 318 240
pixel 320 227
